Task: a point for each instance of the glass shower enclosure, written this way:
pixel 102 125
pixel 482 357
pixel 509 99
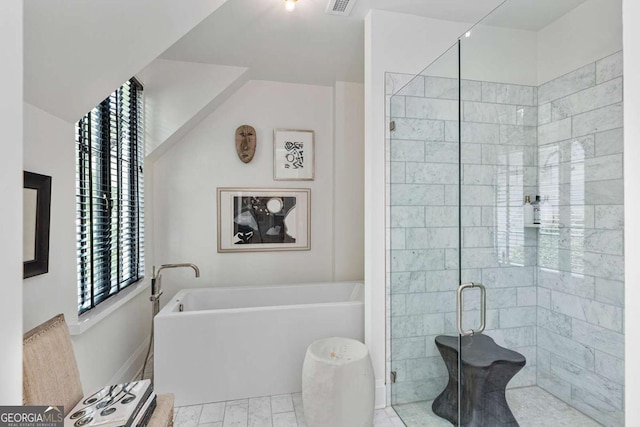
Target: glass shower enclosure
pixel 486 289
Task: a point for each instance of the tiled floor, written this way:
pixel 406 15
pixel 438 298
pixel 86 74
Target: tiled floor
pixel 273 411
pixel 532 407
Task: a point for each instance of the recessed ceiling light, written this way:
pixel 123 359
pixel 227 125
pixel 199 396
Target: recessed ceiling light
pixel 290 5
pixel 467 34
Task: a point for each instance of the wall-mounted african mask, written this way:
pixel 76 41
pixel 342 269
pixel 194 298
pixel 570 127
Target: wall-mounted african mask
pixel 246 143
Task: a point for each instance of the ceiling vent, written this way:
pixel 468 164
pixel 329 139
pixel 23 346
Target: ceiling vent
pixel 340 7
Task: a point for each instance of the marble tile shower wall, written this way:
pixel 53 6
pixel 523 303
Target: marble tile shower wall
pixel 499 158
pixel 580 267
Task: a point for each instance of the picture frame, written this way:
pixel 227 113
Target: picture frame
pixel 293 155
pixel 264 219
pixel 36 222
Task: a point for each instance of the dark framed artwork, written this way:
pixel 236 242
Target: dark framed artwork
pixel 264 219
pixel 36 217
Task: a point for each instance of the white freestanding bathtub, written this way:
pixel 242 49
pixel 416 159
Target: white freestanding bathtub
pixel 237 342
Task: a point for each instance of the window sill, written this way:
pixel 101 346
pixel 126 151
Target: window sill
pixel 102 311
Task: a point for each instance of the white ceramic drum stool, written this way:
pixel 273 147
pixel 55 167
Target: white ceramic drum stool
pixel 338 384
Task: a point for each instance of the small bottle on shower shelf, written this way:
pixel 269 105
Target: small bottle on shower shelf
pixel 528 211
pixel 536 210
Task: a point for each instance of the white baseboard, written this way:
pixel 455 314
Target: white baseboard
pixel 381 394
pixel 132 367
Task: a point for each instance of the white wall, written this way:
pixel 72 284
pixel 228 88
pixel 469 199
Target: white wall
pixel 111 349
pixel 11 194
pixel 49 150
pixel 588 33
pixel 631 35
pixel 186 178
pixel 393 43
pixel 348 164
pixel 501 55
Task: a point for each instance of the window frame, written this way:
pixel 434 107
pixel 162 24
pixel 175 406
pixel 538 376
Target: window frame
pixel 110 196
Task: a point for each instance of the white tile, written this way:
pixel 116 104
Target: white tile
pixel 610 291
pixel 471 90
pixel 489 92
pixel 281 403
pixel 603 167
pixel 569 83
pixel 544 113
pixel 418 260
pixel 527 116
pixel 299 409
pixel 406 150
pixel 610 367
pixel 397 106
pixel 602 119
pixel 515 94
pixel 603 389
pixel 390 412
pixel 212 412
pixel 602 339
pixel 419 129
pixel 404 84
pixel 488 113
pixel 416 194
pixel 534 407
pixel 609 142
pixel 260 412
pixel 434 109
pixel 380 415
pixel 609 192
pixel 431 173
pixel 285 419
pixel 589 99
pixel 380 419
pixel 441 87
pixel 188 416
pixel 609 68
pixel 555 131
pixel 236 415
pixel 218 424
pixel 237 402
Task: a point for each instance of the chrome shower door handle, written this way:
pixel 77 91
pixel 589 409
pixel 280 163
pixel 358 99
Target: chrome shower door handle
pixel 483 308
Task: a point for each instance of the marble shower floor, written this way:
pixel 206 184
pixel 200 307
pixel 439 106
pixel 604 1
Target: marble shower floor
pixel 532 407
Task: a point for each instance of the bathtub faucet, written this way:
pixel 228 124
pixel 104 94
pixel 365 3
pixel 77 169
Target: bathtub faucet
pixel 156 289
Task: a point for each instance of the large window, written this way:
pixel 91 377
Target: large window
pixel 110 197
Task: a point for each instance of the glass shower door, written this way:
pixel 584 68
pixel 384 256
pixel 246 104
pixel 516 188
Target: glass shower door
pixel 530 130
pixel 423 233
pixel 498 254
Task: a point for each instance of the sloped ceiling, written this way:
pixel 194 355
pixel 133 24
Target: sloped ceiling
pixel 178 94
pixel 306 46
pixel 309 46
pixel 77 51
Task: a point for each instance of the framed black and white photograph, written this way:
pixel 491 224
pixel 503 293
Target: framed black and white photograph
pixel 36 201
pixel 264 219
pixel 293 154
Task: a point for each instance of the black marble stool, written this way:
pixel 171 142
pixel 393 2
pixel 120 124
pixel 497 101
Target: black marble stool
pixel 486 370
